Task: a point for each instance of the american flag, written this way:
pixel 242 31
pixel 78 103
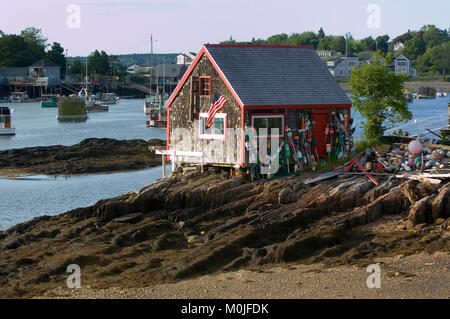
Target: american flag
pixel 216 105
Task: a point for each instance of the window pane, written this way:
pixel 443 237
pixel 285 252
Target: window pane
pixel 268 123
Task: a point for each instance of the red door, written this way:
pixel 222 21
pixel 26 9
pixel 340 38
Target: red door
pixel 318 131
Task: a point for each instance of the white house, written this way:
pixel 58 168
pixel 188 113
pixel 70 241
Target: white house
pixel 186 58
pixel 398 46
pixel 402 65
pixel 328 53
pixel 134 69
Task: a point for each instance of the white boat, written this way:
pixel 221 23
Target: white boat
pixel 18 97
pixel 109 98
pixel 152 102
pixel 6 127
pixel 441 94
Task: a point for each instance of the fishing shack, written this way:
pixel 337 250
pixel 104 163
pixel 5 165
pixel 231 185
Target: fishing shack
pixel 231 90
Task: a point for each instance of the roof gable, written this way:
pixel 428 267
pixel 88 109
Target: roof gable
pixel 271 75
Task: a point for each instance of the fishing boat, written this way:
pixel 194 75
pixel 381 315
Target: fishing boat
pixel 426 92
pixel 18 97
pixel 109 98
pixel 441 93
pixel 158 116
pixel 93 103
pixel 6 127
pixel 49 101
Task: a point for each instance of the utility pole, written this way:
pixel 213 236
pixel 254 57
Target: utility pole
pixel 151 63
pixel 67 63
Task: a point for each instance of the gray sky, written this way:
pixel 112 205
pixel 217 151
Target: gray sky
pixel 120 27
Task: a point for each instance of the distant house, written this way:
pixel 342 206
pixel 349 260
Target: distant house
pixel 398 46
pixel 402 65
pixel 265 87
pixel 12 74
pixel 342 67
pixel 134 69
pixel 45 72
pixel 169 73
pixel 328 53
pixel 186 58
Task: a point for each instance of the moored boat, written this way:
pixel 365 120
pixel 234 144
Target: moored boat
pixel 110 98
pixel 18 97
pixel 49 101
pixel 426 92
pixel 6 127
pixel 158 116
pixel 72 109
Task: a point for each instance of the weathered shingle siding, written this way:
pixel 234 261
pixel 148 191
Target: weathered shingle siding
pixel 278 75
pixel 216 151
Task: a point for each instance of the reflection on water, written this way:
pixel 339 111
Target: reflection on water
pixel 27 197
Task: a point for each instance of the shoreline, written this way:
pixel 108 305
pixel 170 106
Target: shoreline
pixel 193 224
pixel 421 275
pixel 415 85
pixel 91 156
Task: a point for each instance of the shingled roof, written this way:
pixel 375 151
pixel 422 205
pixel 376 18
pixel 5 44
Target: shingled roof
pixel 277 75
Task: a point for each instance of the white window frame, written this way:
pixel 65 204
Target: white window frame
pixel 281 132
pixel 206 136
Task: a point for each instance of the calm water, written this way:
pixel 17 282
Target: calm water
pixel 23 199
pixel 36 126
pixel 421 109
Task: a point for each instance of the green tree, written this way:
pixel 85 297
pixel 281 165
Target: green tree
pixel 15 52
pixel 414 48
pixel 378 96
pixel 321 33
pixel 36 41
pixel 382 43
pixel 338 44
pixel 368 44
pixel 433 36
pixel 98 63
pixel 277 39
pixel 56 54
pixel 77 67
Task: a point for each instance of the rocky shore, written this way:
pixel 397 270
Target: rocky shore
pixel 192 223
pixel 90 156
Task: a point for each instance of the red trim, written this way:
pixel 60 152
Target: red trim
pixel 168 130
pixel 312 106
pixel 243 137
pixel 259 46
pixel 281 137
pixel 201 89
pixel 191 69
pixel 224 79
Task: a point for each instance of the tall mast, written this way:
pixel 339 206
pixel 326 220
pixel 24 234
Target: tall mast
pixel 151 64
